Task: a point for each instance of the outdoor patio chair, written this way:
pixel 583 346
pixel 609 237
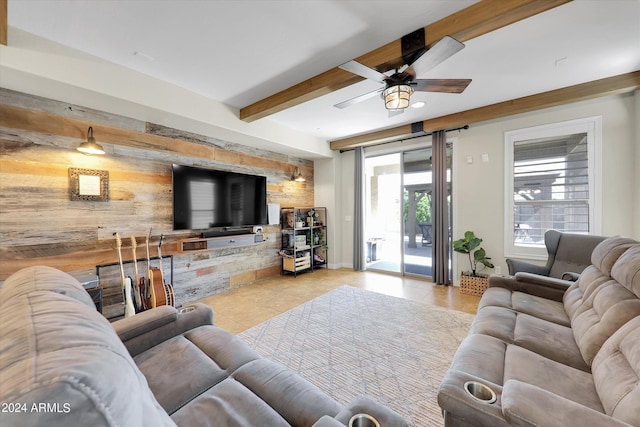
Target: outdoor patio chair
pixel 425 227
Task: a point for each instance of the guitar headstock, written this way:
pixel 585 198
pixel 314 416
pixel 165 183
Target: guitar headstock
pixel 118 241
pixel 148 235
pixel 161 240
pixel 134 244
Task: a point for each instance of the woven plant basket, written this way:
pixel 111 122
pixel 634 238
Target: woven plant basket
pixel 474 285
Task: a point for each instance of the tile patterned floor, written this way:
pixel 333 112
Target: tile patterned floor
pixel 244 307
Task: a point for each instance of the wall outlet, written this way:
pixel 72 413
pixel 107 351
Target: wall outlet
pixel 257 229
pixel 498 270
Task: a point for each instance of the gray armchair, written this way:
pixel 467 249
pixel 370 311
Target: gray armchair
pixel 569 254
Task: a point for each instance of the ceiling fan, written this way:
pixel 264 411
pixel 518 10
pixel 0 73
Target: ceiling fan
pixel 399 86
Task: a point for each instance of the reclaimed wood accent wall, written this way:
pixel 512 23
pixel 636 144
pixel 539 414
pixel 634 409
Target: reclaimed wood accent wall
pixel 39 224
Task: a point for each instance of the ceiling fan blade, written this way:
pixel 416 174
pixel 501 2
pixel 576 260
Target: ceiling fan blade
pixel 445 48
pixel 363 71
pixel 441 85
pixel 357 99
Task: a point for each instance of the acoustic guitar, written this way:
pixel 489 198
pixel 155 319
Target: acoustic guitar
pixel 157 294
pixel 168 288
pixel 147 280
pixel 139 282
pixel 129 309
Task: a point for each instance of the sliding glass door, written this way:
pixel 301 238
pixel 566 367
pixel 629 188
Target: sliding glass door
pixel 398 214
pixel 418 192
pixel 383 213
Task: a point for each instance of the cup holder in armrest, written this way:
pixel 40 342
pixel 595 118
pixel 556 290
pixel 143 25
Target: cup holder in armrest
pixel 480 392
pixel 363 420
pixel 188 309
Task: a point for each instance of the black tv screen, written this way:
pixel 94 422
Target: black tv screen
pixel 207 198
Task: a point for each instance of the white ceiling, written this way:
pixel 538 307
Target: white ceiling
pixel 240 51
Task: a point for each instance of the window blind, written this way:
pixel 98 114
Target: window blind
pixel 550 187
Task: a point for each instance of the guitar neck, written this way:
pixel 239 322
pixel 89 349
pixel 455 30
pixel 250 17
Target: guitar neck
pixel 119 247
pixel 135 260
pixel 148 253
pixel 160 251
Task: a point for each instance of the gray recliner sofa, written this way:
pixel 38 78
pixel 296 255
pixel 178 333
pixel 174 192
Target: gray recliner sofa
pixel 535 360
pixel 63 364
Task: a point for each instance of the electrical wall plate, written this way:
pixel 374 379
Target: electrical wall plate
pixel 257 229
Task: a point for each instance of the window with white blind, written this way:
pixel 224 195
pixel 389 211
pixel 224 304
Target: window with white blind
pixel 551 183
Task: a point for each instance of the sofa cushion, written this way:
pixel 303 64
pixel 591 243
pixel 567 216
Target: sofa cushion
pixel 228 404
pixel 219 376
pixel 627 270
pixel 197 372
pixel 494 363
pixel 570 383
pixel 549 339
pixel 57 350
pixel 599 305
pixel 44 279
pixel 605 255
pixel 282 389
pixel 521 403
pixel 616 372
pixel 543 308
pixel 590 280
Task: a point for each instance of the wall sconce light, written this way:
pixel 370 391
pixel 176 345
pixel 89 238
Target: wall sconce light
pixel 90 146
pixel 297 175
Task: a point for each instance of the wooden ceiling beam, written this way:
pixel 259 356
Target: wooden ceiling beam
pixel 4 22
pixel 581 92
pixel 466 24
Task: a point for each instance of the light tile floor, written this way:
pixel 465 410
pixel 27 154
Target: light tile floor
pixel 244 307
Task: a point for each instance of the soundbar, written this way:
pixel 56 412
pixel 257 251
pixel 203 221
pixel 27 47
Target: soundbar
pixel 222 233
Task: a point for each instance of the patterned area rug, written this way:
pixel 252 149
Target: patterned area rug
pixel 352 342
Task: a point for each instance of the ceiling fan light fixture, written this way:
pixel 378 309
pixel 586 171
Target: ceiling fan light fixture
pixel 397 97
pixel 90 146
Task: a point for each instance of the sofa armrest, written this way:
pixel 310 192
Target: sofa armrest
pixel 365 405
pixel 533 284
pixel 548 282
pixel 149 328
pixel 516 266
pixel 522 403
pixel 457 404
pixel 144 322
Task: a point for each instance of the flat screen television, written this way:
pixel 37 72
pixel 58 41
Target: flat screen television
pixel 208 198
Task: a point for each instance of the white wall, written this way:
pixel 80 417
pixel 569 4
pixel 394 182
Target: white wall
pixel 344 207
pixel 479 199
pixel 324 180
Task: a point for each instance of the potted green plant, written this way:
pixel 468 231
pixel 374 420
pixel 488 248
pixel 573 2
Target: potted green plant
pixel 473 282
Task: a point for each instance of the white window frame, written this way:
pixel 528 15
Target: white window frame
pixel 592 126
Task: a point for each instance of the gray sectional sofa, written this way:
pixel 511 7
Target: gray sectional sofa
pixel 539 358
pixel 63 364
